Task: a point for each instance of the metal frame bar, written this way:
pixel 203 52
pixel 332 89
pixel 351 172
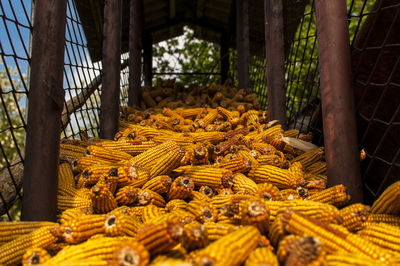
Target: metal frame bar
pixel 147 59
pixel 109 114
pixel 243 44
pixel 275 60
pixel 135 51
pixel 338 110
pixel 46 98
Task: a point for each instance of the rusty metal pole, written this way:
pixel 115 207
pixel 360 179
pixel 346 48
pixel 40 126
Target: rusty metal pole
pixel 135 51
pixel 109 114
pixel 224 57
pixel 242 44
pixel 46 98
pixel 275 57
pixel 338 111
pixel 148 60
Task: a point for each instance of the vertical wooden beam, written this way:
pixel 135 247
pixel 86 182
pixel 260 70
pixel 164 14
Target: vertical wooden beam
pixel 109 114
pixel 242 44
pixel 148 60
pixel 224 57
pixel 275 56
pixel 46 98
pixel 338 110
pixel 135 51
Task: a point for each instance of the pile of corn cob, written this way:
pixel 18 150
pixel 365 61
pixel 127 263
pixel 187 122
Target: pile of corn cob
pixel 203 186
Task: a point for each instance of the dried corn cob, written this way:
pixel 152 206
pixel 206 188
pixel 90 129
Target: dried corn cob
pixel 212 177
pixel 203 211
pixel 12 252
pixel 65 174
pixel 277 231
pixel 92 174
pixel 12 230
pixel 290 194
pixel 130 253
pixel 208 191
pixel 237 165
pixel 81 163
pixel 73 213
pixel 285 245
pixel 35 256
pixel 110 155
pixel 256 213
pixel 132 175
pixel 383 235
pixel 304 251
pixel 127 195
pixel 151 212
pixel 310 157
pixel 158 238
pixel 168 162
pixel 195 237
pixel 76 198
pixel 132 147
pixel 81 228
pixel 103 199
pixel 388 202
pixel 382 218
pixel 181 188
pixel 159 184
pixel 268 191
pixel 276 176
pixel 70 152
pixel 232 249
pixel 208 119
pixel 262 256
pixel 342 259
pixel 354 216
pixel 243 185
pixel 146 196
pixel 149 157
pixel 196 195
pixel 336 195
pixel 121 224
pixel 176 204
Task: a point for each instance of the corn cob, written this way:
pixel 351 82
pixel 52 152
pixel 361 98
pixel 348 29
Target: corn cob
pixel 317 168
pixel 276 176
pixel 238 165
pixel 332 239
pixel 99 248
pixel 167 162
pixel 277 231
pixel 223 147
pixel 70 152
pixel 158 238
pixel 310 157
pixel 212 177
pixel 268 191
pixel 261 256
pixel 151 212
pixel 383 235
pixel 76 198
pixel 103 199
pixel 74 213
pixel 206 190
pixel 65 174
pixel 381 218
pixel 243 185
pixel 110 155
pixel 81 163
pixel 109 180
pixel 131 147
pixel 211 137
pixel 388 202
pixel 354 216
pixel 159 184
pixel 231 249
pixel 35 256
pixel 256 213
pixel 203 211
pixel 271 131
pixel 336 195
pixel 265 149
pixel 175 204
pixel 343 259
pixel 290 194
pixel 130 253
pixel 146 196
pixel 216 231
pixel 196 195
pixel 120 224
pixel 208 119
pixel 81 228
pixel 12 230
pixel 196 155
pixel 195 237
pixel 132 175
pixel 181 139
pixel 149 157
pixel 126 195
pixel 12 252
pixel 189 112
pixel 284 247
pixel 92 174
pixel 181 188
pixel 305 251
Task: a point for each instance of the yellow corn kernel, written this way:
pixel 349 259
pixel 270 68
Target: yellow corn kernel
pixel 243 185
pixel 176 204
pixel 388 202
pixel 268 191
pixel 336 195
pixel 65 175
pixel 384 235
pixel 149 157
pixel 181 188
pixel 146 197
pixel 277 231
pixel 73 198
pixel 34 256
pixel 261 256
pixel 354 216
pixel 216 231
pixel 196 195
pixel 195 237
pixel 344 259
pixel 279 177
pixel 13 251
pixel 161 237
pixel 109 180
pixel 151 212
pixel 382 218
pixel 81 228
pixel 121 224
pixel 110 155
pixel 271 131
pixel 212 177
pixel 159 184
pixel 127 195
pixel 103 199
pixel 208 119
pixel 237 165
pixel 203 211
pixel 231 249
pixel 168 162
pixel 132 175
pixel 69 152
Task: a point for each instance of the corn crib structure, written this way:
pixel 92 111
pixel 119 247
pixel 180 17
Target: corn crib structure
pixel 293 159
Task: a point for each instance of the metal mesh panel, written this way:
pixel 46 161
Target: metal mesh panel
pixel 82 85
